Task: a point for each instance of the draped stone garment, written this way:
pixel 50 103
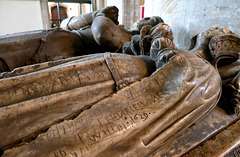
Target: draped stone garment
pixel 41 95
pixel 224 50
pixel 21 49
pixel 134 121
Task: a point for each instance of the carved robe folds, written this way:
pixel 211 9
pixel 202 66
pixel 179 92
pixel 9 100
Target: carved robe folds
pixel 135 121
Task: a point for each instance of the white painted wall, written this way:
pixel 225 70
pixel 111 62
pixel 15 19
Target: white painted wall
pixel 118 4
pixel 189 17
pixel 73 9
pixel 20 16
pixel 152 8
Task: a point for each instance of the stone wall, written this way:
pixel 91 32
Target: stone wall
pixel 23 15
pixel 187 18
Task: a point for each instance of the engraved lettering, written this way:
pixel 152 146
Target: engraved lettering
pixel 106 132
pixel 95 137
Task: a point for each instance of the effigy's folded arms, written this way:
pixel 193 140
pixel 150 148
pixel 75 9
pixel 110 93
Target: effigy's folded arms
pixel 134 121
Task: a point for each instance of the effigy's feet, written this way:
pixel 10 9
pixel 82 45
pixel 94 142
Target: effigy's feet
pixel 162 38
pixel 108 35
pixel 162 30
pixel 154 20
pixel 158 45
pixel 111 12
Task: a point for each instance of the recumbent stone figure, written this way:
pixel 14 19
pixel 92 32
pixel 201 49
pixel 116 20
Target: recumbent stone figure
pixel 105 104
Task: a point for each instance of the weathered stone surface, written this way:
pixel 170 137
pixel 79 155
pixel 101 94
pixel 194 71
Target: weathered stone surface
pixel 235 152
pixel 31 102
pixel 219 145
pixel 33 47
pixel 101 35
pixel 139 118
pixel 204 129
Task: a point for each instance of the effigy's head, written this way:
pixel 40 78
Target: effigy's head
pixel 213 31
pixel 225 46
pixel 154 20
pixel 206 35
pixel 201 41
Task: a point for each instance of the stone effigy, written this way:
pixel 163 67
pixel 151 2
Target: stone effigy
pixel 112 104
pixel 100 34
pixel 78 22
pixel 221 47
pixel 135 119
pixel 49 45
pixel 63 90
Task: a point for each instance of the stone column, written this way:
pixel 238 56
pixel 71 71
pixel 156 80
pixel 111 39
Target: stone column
pixel 131 12
pixel 98 4
pixel 45 14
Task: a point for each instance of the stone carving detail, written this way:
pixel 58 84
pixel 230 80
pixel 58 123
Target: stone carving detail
pixel 110 104
pixel 36 100
pixel 221 47
pixel 136 118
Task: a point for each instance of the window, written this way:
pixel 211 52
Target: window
pixel 62 9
